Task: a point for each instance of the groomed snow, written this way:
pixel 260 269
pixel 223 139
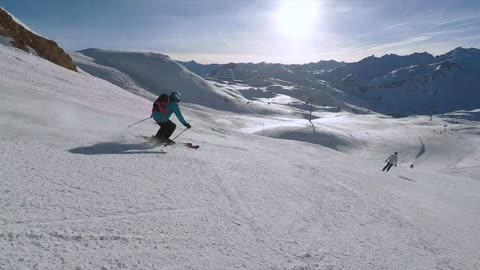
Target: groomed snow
pixel 80 190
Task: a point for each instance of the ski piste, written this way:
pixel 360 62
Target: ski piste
pixel 152 139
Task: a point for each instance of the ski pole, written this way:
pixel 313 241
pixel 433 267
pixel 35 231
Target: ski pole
pixel 179 134
pixel 139 121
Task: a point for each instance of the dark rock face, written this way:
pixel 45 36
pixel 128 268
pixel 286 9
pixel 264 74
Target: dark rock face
pixel 22 39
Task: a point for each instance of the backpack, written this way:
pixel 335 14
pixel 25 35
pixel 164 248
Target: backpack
pixel 160 105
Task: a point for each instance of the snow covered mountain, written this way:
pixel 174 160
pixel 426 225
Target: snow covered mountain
pixel 296 90
pixel 397 85
pixel 244 71
pixel 15 33
pixel 414 84
pixel 151 74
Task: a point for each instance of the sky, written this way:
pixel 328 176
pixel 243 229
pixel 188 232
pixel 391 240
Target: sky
pixel 280 31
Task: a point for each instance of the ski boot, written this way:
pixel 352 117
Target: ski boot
pixel 168 141
pixel 158 139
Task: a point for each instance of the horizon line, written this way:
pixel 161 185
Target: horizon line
pixel 265 62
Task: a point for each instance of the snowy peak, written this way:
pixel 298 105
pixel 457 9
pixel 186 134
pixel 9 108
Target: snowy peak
pixel 20 36
pixel 415 84
pixel 246 71
pixel 321 65
pixel 463 51
pixel 460 53
pixel 372 67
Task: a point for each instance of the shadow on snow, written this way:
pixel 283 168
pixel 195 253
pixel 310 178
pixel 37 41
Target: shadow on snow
pixel 109 148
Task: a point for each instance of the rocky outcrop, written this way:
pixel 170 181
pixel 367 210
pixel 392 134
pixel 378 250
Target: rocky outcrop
pixel 24 40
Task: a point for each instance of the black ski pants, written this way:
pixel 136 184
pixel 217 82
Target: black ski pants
pixel 387 167
pixel 166 129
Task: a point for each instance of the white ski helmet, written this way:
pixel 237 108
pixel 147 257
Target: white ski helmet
pixel 175 96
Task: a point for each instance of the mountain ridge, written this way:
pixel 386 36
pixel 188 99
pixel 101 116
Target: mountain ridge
pixel 23 38
pixel 419 83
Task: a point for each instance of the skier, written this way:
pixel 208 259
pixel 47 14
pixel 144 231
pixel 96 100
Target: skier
pixel 392 160
pixel 162 109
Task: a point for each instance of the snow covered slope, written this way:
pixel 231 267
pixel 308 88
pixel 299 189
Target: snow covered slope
pixel 156 74
pixel 41 100
pixel 80 190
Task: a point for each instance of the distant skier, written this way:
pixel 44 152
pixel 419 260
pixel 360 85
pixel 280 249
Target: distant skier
pixel 162 109
pixel 392 160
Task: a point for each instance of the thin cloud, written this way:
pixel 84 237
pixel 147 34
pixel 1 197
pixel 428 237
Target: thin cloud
pixel 400 35
pixel 470 38
pixel 375 44
pixel 451 31
pixel 371 45
pixel 329 45
pixel 405 42
pixel 455 20
pixel 363 35
pixel 411 21
pixel 356 46
pixel 397 25
pixel 462 24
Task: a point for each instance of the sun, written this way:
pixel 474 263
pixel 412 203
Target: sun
pixel 296 19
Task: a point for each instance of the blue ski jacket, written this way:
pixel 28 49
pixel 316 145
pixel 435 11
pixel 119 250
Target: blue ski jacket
pixel 161 117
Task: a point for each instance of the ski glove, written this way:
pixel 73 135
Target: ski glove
pixel 187 125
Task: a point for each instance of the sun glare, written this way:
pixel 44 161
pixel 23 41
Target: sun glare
pixel 296 19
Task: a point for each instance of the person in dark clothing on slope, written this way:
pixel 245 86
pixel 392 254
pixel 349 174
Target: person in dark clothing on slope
pixel 392 160
pixel 163 108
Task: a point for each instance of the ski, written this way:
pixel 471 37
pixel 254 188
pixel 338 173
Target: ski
pixel 152 139
pixel 190 145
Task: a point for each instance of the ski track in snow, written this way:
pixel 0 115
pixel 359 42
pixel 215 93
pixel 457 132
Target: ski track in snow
pixel 82 191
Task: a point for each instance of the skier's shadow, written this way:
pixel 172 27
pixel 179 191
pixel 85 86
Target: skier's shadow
pixel 112 148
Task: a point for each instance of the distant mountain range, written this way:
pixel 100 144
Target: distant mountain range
pixel 245 71
pixel 419 83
